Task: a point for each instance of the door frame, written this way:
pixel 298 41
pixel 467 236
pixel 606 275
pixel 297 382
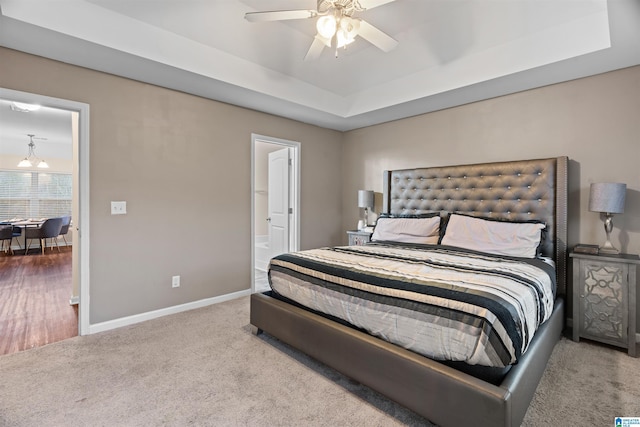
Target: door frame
pixel 80 224
pixel 294 192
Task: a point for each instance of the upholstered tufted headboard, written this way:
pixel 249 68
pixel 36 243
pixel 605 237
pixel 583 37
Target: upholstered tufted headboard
pixel 519 190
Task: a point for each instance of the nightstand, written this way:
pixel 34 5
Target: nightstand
pixel 359 238
pixel 604 299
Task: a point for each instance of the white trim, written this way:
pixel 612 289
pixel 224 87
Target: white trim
pixel 83 174
pixel 74 300
pixel 294 230
pixel 142 317
pixel 295 192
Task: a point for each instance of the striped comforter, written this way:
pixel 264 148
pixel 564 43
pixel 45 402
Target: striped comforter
pixel 442 302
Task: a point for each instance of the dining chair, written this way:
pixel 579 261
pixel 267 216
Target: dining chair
pixel 17 233
pixel 6 236
pixel 66 222
pixel 50 229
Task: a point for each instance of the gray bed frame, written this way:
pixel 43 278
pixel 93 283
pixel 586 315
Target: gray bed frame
pixel 519 190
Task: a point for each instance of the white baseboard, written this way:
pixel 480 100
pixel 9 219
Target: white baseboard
pixel 137 318
pixel 74 300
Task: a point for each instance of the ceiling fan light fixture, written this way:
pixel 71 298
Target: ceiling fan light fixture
pixel 335 24
pixel 342 40
pixel 347 32
pixel 326 26
pixel 349 26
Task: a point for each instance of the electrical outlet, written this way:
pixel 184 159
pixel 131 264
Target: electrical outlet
pixel 175 282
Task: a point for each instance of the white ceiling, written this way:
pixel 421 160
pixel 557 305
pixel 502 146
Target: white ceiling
pixel 450 52
pixel 51 128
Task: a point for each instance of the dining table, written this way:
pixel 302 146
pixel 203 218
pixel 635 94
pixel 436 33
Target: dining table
pixel 24 224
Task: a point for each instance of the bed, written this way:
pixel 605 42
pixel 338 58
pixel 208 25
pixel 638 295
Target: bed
pixel 445 393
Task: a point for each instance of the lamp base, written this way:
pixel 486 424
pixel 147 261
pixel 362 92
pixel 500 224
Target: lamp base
pixel 608 248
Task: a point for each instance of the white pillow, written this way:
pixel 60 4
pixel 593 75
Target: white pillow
pixel 518 239
pixel 408 230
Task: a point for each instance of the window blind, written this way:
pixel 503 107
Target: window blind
pixel 34 194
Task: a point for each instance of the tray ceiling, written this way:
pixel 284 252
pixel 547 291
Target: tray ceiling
pixel 450 52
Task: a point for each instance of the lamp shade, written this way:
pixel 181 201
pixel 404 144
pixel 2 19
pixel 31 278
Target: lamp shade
pixel 24 163
pixel 365 198
pixel 607 197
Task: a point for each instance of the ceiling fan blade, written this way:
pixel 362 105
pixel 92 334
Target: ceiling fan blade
pixel 370 4
pixel 315 50
pixel 376 37
pixel 279 15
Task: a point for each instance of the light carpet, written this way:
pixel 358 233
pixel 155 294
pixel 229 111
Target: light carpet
pixel 205 368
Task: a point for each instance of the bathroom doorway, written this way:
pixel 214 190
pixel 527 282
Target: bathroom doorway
pixel 275 203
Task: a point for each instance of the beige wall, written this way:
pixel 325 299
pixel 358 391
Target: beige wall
pixel 182 163
pixel 595 121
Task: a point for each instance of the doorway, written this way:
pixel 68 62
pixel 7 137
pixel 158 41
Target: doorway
pixel 80 188
pixel 275 203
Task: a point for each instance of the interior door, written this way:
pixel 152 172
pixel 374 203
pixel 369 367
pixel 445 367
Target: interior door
pixel 278 202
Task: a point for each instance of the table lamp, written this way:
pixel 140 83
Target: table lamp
pixel 365 200
pixel 607 198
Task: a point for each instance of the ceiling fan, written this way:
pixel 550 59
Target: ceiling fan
pixel 336 25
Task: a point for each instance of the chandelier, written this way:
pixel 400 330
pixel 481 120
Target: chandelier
pixel 31 158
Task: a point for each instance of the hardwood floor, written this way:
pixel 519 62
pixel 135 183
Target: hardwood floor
pixel 34 299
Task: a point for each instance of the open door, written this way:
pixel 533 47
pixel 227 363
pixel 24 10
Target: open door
pixel 275 203
pixel 278 202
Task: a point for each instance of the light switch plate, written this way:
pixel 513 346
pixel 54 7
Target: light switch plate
pixel 118 208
